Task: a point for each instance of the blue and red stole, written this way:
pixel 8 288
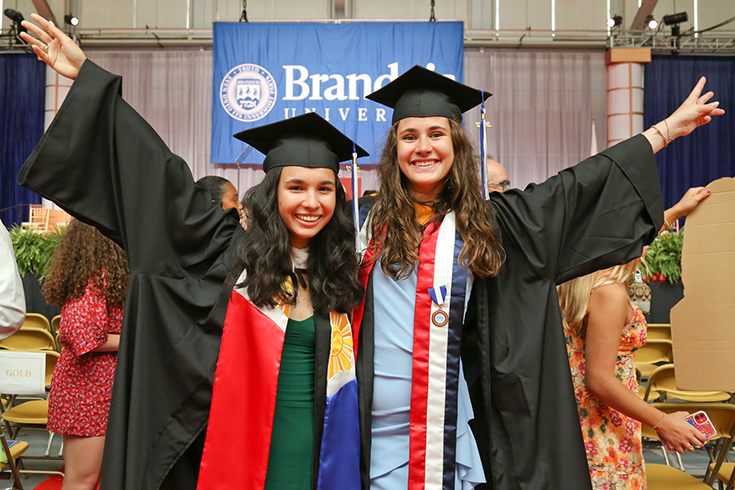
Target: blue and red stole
pixel 440 295
pixel 244 401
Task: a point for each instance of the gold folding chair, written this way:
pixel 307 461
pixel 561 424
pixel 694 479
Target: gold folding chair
pixel 15 452
pixel 29 339
pixel 649 356
pixel 31 414
pixel 36 320
pixel 55 324
pixel 659 331
pixel 56 332
pixel 663 381
pixel 664 477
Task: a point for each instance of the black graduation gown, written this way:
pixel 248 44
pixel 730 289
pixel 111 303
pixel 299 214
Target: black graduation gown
pixel 592 216
pixel 101 162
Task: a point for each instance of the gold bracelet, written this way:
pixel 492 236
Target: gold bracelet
pixel 666 142
pixel 659 422
pixel 668 132
pixel 667 225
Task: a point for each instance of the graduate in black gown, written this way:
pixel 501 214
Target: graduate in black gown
pixel 238 349
pixel 100 161
pixel 477 393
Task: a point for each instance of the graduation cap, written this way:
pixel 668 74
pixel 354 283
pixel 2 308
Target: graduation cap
pixel 423 93
pixel 303 141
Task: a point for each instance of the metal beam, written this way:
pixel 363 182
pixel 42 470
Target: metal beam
pixel 646 9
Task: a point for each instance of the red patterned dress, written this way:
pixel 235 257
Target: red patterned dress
pixel 612 440
pixel 82 383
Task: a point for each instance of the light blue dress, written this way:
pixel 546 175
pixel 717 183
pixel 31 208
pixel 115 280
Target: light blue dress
pixel 394 316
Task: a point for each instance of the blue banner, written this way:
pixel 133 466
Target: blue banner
pixel 266 72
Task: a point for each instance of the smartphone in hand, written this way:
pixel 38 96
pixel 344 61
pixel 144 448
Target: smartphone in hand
pixel 700 420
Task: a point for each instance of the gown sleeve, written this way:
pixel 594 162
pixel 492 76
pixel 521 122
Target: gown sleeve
pixel 84 322
pixel 594 215
pixel 103 163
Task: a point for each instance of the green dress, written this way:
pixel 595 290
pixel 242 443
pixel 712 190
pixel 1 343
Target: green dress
pixel 292 441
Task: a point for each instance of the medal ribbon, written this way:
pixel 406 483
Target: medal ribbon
pixel 436 352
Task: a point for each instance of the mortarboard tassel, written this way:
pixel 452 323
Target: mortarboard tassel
pixel 355 204
pixel 483 148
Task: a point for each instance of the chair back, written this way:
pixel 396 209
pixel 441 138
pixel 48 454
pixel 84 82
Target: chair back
pixel 36 320
pixel 55 324
pixel 654 350
pixel 663 380
pixel 29 339
pixel 51 358
pixel 38 218
pixel 658 331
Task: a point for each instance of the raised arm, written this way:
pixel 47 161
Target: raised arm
pixel 695 111
pixel 104 164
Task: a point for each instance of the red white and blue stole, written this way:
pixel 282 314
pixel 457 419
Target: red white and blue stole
pixel 244 401
pixel 438 318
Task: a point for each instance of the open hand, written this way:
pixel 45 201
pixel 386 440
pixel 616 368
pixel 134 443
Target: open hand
pixel 690 200
pixel 695 111
pixel 53 47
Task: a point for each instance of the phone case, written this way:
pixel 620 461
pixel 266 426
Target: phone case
pixel 700 420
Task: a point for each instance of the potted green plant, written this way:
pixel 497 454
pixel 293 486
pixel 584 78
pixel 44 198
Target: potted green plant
pixel 662 271
pixel 33 252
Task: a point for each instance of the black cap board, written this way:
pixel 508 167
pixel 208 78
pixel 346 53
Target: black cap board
pixel 423 93
pixel 302 141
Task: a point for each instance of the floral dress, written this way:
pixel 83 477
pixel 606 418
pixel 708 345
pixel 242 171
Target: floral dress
pixel 612 440
pixel 81 386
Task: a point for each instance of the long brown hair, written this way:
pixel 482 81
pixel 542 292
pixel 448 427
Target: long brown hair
pixel 82 255
pixel 393 225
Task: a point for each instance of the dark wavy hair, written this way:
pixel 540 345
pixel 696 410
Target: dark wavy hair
pixel 83 254
pixel 396 232
pixel 266 253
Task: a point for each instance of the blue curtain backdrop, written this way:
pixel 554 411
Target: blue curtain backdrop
pixel 22 85
pixel 709 152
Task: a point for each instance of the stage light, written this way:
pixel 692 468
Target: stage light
pixel 16 28
pixel 71 20
pixel 670 20
pixel 14 15
pixel 674 20
pixel 614 21
pixel 651 22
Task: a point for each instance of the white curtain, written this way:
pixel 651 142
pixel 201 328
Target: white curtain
pixel 541 110
pixel 172 90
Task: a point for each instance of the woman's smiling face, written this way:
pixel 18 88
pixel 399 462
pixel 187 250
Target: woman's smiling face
pixel 306 201
pixel 425 154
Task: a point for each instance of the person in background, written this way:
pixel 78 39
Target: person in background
pixel 603 330
pixel 12 297
pixel 222 191
pixel 498 180
pixel 88 277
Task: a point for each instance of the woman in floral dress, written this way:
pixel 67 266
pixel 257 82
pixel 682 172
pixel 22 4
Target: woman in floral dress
pixel 88 279
pixel 603 330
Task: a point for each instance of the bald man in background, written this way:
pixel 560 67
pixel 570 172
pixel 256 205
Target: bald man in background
pixel 497 177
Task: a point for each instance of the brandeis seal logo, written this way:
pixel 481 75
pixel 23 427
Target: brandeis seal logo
pixel 248 92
